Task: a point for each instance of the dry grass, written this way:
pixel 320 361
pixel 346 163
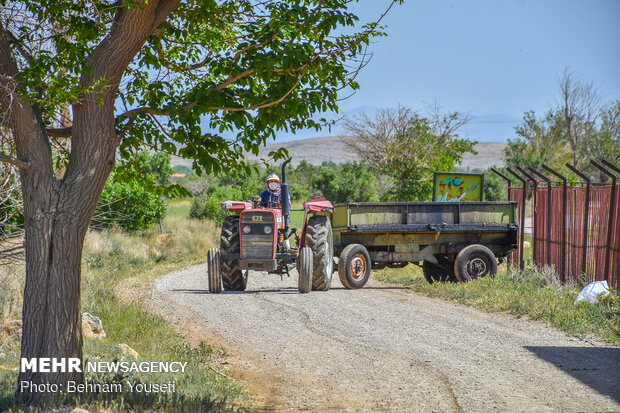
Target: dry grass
pixel 12 282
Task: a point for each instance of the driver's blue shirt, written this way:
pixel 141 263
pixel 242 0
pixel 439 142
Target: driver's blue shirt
pixel 270 200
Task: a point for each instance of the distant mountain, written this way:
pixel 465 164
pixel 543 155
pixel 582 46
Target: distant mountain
pixel 333 149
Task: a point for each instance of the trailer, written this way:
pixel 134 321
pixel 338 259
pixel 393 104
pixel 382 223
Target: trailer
pixel 451 241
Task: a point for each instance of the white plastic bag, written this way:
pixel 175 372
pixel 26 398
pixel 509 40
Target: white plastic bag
pixel 591 292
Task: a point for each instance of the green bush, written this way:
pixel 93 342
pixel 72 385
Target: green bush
pixel 157 164
pixel 208 205
pixel 132 205
pixel 495 187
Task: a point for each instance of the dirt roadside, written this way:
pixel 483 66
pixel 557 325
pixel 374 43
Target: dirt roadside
pixel 384 348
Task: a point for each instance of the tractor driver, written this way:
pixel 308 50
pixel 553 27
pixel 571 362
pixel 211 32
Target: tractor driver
pixel 271 197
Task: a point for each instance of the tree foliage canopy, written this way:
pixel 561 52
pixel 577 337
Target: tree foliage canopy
pixel 216 77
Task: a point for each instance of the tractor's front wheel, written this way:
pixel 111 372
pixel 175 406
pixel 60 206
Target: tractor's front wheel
pixel 233 277
pixel 319 238
pixel 305 270
pixel 213 269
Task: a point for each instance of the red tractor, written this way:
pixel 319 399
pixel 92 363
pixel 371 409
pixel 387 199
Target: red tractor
pixel 257 238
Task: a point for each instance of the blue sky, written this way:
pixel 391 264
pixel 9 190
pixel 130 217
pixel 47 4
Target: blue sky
pixel 493 59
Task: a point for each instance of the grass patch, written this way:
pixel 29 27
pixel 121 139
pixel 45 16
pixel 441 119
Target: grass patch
pixel 111 259
pixel 533 293
pixel 179 207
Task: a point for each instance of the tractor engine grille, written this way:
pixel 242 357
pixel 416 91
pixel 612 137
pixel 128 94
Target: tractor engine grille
pixel 257 235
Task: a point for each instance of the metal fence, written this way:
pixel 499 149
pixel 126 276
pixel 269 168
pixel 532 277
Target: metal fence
pixel 575 225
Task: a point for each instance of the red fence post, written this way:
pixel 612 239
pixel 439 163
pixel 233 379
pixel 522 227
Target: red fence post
pixel 564 202
pixel 522 223
pixel 612 213
pixel 506 178
pixel 534 215
pixel 548 219
pixel 616 245
pixel 586 212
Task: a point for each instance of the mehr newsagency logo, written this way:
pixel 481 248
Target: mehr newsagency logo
pixel 74 365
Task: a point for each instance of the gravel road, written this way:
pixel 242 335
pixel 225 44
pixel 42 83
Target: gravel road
pixel 385 348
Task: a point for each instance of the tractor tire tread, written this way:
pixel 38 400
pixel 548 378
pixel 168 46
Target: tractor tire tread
pixel 318 232
pixel 233 278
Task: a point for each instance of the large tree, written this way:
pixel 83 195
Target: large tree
pixel 578 129
pixel 203 79
pixel 539 140
pixel 579 108
pixel 407 147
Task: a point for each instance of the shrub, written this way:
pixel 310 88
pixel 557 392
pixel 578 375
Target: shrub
pixel 132 205
pixel 495 187
pixel 208 206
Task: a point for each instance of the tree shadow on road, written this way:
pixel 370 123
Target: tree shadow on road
pixel 596 367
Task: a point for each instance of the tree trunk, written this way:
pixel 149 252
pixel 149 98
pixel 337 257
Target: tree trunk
pixel 57 215
pixel 58 211
pixel 51 310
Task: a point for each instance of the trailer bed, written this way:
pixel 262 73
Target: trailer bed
pixel 395 233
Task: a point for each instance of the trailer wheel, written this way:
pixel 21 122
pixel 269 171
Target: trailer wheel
pixel 213 270
pixel 305 270
pixel 233 278
pixel 475 261
pixel 442 272
pixel 319 238
pixel 354 266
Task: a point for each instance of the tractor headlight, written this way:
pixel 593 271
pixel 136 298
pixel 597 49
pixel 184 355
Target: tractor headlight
pixel 246 229
pixel 267 230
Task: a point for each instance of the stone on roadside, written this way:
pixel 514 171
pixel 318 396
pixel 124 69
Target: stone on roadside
pixel 127 350
pixel 92 327
pixel 10 328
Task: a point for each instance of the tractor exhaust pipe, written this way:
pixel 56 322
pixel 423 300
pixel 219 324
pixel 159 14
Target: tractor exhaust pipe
pixel 286 206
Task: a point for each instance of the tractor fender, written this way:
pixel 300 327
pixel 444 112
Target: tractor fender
pixel 319 206
pixel 235 206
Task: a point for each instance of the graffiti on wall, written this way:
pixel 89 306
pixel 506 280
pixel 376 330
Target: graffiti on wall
pixel 457 187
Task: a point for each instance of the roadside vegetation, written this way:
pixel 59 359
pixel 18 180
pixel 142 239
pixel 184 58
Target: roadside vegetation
pixel 534 293
pixel 117 269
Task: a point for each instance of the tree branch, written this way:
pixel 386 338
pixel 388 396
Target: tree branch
pixel 149 111
pixel 163 10
pixel 261 105
pixel 24 165
pixel 60 133
pixel 190 106
pixel 233 79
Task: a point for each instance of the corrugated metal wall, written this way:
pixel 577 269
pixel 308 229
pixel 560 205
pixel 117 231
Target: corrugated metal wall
pixel 559 227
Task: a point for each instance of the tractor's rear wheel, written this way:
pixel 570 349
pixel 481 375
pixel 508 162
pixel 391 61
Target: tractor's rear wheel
pixel 213 269
pixel 319 238
pixel 305 270
pixel 233 277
